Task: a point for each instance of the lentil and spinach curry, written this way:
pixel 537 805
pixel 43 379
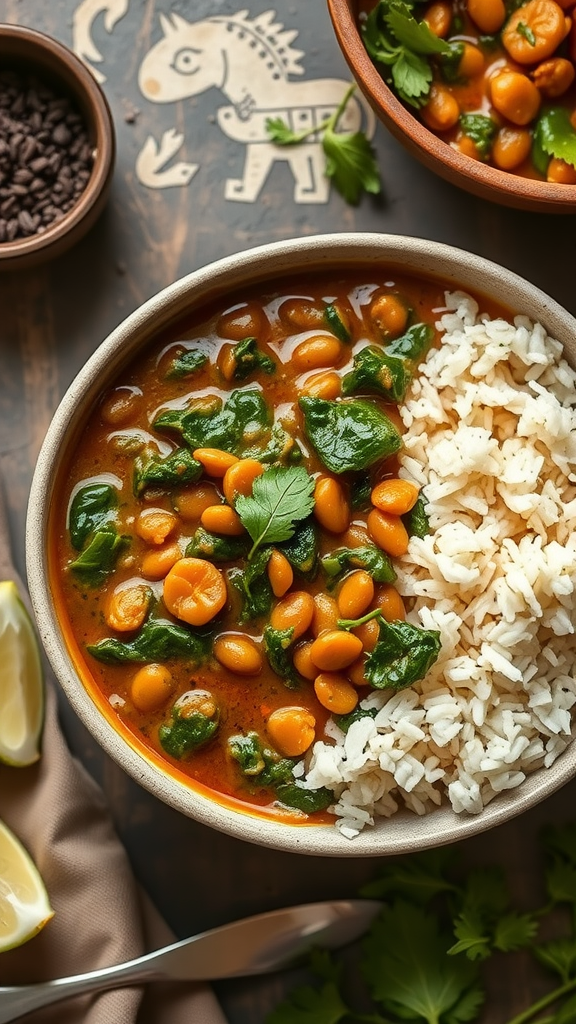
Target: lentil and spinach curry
pixel 224 543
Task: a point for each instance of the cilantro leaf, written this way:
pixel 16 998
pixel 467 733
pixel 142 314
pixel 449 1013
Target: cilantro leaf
pixel 408 972
pixel 412 77
pixel 281 133
pixel 554 136
pixel 418 878
pixel 280 497
pixel 560 846
pixel 412 34
pixel 470 930
pixel 351 164
pixel 526 32
pixel 559 956
pixel 513 931
pixel 311 1005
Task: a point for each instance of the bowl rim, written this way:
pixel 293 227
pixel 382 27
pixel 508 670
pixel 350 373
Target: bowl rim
pixel 404 832
pixel 98 117
pixel 482 179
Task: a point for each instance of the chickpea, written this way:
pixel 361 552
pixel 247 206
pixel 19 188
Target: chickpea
pixel 240 477
pixel 390 603
pixel 561 172
pixel 472 61
pixel 151 687
pixel 356 594
pixel 553 77
pixel 320 350
pixel 194 591
pixel 154 525
pixel 389 313
pixel 327 385
pixel 303 662
pixel 325 615
pixel 438 17
pixel 515 97
pixel 488 15
pixel 534 31
pixel 190 504
pixel 335 693
pixel 331 507
pixel 395 496
pixel 388 532
pixel 128 607
pixel 214 461
pixel 157 563
pixel 295 610
pixel 222 519
pixel 292 730
pixel 121 405
pixel 238 654
pixel 242 322
pixel 441 112
pixel 335 649
pixel 511 147
pixel 280 573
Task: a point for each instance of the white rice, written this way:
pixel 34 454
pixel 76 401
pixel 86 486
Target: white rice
pixel 491 437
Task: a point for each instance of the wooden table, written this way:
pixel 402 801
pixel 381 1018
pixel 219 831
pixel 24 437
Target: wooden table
pixel 52 319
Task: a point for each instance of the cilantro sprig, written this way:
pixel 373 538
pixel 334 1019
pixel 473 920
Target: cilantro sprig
pixel 350 158
pixel 281 497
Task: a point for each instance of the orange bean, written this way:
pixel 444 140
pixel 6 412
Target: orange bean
pixel 553 77
pixel 356 672
pixel 121 405
pixel 356 536
pixel 151 687
pixel 320 350
pixel 240 477
pixel 237 653
pixel 280 573
pixel 227 361
pixel 466 146
pixel 561 172
pixel 303 662
pixel 441 111
pixel 534 31
pixel 355 594
pixel 390 603
pixel 368 633
pixel 511 147
pixel 194 591
pixel 325 615
pixel 388 532
pixel 215 461
pixel 242 322
pixel 331 507
pixel 335 649
pixel 292 730
pixel 327 385
pixel 301 313
pixel 395 496
pixel 190 504
pixel 222 519
pixel 389 313
pixel 128 607
pixel 488 15
pixel 438 17
pixel 155 564
pixel 295 610
pixel 154 525
pixel 335 693
pixel 515 97
pixel 472 61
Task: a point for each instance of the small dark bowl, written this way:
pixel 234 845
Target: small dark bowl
pixel 472 175
pixel 29 52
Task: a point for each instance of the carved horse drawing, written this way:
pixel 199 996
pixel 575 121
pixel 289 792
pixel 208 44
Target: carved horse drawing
pixel 250 61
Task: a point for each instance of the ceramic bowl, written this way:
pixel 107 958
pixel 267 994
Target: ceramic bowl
pixel 32 53
pixel 472 175
pixel 286 259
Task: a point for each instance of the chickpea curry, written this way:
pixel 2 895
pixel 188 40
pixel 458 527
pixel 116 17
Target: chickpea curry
pixel 225 535
pixel 493 78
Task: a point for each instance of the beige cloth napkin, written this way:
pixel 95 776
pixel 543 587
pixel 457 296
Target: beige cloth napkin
pixel 101 917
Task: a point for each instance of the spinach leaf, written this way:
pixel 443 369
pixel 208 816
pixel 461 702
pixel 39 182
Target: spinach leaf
pixel 276 643
pixel 413 343
pixel 554 135
pixel 369 557
pixel 265 767
pixel 216 547
pixel 302 548
pixel 253 585
pixel 210 423
pixel 158 640
pixel 345 721
pixel 306 800
pixel 402 656
pixel 186 362
pixel 348 435
pixel 279 447
pixel 360 491
pixel 248 359
pixel 177 468
pixel 194 721
pixel 416 520
pixel 375 371
pixel 450 62
pixel 91 507
pixel 336 323
pixel 481 129
pixel 98 559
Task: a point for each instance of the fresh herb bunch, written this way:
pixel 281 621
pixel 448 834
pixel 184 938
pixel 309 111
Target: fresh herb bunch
pixel 350 159
pixel 422 958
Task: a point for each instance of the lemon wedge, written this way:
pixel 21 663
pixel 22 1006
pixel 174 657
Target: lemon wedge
pixel 24 904
pixel 21 682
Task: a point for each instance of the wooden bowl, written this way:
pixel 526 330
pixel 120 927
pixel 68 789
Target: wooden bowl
pixel 336 253
pixel 472 175
pixel 29 52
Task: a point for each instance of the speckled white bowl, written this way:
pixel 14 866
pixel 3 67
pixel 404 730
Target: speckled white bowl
pixel 404 832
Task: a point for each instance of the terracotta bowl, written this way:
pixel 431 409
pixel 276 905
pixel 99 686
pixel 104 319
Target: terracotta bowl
pixel 281 260
pixel 29 52
pixel 472 175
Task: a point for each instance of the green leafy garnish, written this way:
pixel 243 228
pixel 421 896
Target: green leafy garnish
pixel 178 468
pixel 481 129
pixel 264 767
pixel 253 585
pixel 158 640
pixel 348 435
pixel 350 159
pixel 91 507
pixel 373 370
pixel 277 643
pixel 416 520
pixel 526 32
pixel 193 723
pixel 216 546
pixel 301 549
pixel 450 62
pixel 98 559
pixel 335 323
pixel 208 422
pixel 403 655
pixel 249 359
pixel 369 557
pixel 280 497
pixel 393 37
pixel 553 136
pixel 186 362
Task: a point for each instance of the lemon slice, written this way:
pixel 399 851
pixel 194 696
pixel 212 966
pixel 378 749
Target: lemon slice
pixel 21 682
pixel 24 904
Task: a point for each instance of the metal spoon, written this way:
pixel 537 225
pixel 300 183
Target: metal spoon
pixel 255 945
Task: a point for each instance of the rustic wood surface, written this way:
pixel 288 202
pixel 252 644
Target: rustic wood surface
pixel 52 319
